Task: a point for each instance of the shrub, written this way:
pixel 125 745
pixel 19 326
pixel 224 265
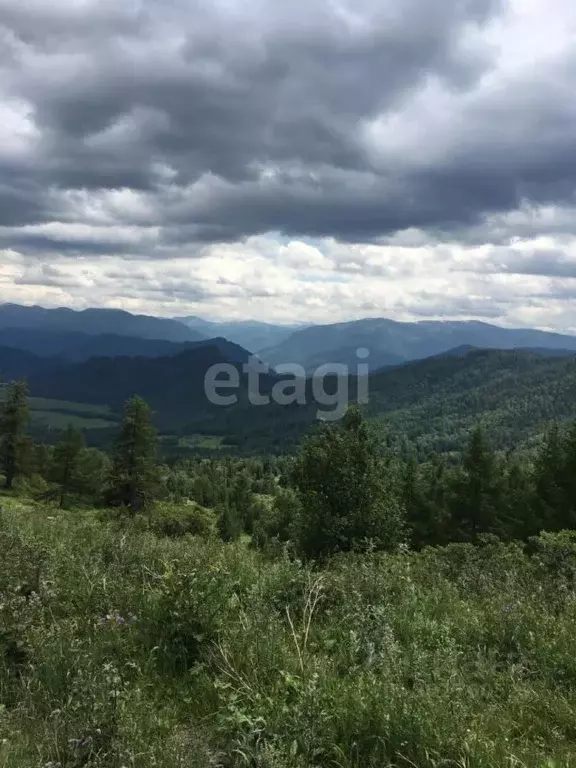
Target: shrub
pixel 180 519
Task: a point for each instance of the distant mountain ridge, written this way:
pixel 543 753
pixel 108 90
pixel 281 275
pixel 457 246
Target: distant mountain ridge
pixel 95 322
pixel 433 402
pixel 77 346
pixel 20 364
pixel 250 334
pixel 390 342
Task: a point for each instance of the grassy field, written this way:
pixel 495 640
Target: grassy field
pixel 57 414
pixel 60 420
pixel 44 404
pixel 211 442
pixel 121 648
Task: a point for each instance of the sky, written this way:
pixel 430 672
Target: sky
pixel 307 161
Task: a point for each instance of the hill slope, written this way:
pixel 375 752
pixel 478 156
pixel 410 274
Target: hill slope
pixel 432 402
pixel 77 346
pixel 174 385
pixel 390 342
pixel 436 401
pixel 249 334
pixel 95 321
pixel 20 364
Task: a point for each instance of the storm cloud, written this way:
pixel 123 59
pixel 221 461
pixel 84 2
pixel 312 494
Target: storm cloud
pixel 383 139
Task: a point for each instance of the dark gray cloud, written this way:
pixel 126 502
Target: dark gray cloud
pixel 353 120
pixel 549 262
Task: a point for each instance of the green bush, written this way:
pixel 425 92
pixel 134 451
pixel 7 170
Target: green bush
pixel 122 647
pixel 181 519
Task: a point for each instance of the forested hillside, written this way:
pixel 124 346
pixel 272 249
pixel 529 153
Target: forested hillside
pixel 430 403
pixel 513 394
pixel 390 342
pixel 76 346
pixel 284 612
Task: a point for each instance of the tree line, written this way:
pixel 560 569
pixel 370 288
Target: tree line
pixel 345 489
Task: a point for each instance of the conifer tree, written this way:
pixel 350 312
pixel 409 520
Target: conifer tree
pixel 14 416
pixel 520 520
pixel 423 493
pixel 478 502
pixel 344 487
pixel 549 477
pixel 229 523
pixel 92 473
pixel 241 495
pixel 567 480
pixel 134 477
pixel 65 461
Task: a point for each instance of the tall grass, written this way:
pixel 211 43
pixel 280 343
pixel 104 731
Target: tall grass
pixel 122 648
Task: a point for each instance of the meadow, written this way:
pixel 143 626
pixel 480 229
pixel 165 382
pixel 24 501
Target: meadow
pixel 58 414
pixel 120 647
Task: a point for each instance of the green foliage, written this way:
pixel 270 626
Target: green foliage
pixel 122 648
pixel 479 491
pixel 276 519
pixel 181 519
pixel 134 476
pixel 229 523
pixel 14 414
pixel 65 461
pixel 346 492
pixel 93 469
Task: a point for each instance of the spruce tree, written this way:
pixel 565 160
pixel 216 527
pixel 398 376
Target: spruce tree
pixel 14 416
pixel 567 515
pixel 65 461
pixel 549 482
pixel 423 493
pixel 241 496
pixel 92 474
pixel 479 493
pixel 229 523
pixel 134 477
pixel 347 497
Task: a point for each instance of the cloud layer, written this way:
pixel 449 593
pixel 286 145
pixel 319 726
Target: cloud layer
pixel 309 160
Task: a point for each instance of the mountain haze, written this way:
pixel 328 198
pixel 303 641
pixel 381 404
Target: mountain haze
pixel 94 322
pixel 390 342
pixel 78 346
pixel 250 334
pixel 174 385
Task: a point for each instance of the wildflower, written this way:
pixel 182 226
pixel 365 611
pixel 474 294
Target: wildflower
pixel 112 619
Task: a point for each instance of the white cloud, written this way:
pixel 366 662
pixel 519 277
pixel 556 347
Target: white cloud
pixel 312 161
pixel 265 279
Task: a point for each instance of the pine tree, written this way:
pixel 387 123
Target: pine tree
pixel 549 476
pixel 518 519
pixel 567 517
pixel 14 416
pixel 479 494
pixel 134 477
pixel 345 492
pixel 65 461
pixel 229 524
pixel 423 491
pixel 92 473
pixel 241 495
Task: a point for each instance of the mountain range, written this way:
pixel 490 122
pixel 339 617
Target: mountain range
pixel 432 403
pixel 429 381
pixel 250 334
pixel 79 335
pixel 391 343
pixel 95 322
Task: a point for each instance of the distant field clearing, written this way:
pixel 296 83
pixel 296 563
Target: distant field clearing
pixel 58 414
